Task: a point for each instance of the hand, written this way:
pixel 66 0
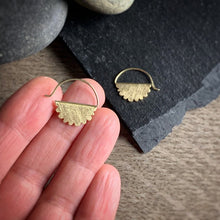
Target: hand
pixel 35 143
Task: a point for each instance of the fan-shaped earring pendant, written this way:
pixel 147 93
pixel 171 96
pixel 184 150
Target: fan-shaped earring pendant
pixel 75 113
pixel 134 91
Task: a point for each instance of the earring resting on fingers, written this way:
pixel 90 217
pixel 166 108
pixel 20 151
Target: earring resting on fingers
pixel 75 113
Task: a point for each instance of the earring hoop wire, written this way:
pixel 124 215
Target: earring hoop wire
pixel 140 70
pixel 76 79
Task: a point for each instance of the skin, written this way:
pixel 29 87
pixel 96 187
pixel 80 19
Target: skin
pixel 35 143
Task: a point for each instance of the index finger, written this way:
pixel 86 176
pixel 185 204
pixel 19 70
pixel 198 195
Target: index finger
pixel 22 117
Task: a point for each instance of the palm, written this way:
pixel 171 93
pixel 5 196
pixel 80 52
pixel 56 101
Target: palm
pixel 34 144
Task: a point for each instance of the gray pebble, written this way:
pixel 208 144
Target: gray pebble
pixel 106 6
pixel 29 26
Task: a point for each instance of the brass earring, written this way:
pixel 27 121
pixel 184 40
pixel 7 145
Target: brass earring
pixel 75 113
pixel 134 91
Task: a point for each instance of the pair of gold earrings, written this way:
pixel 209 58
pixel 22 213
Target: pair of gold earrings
pixel 77 114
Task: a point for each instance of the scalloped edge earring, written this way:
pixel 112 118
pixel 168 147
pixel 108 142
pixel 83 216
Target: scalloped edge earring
pixel 134 91
pixel 75 113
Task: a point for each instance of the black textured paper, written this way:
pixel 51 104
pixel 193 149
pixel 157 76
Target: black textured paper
pixel 177 42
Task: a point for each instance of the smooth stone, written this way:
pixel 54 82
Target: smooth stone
pixel 107 6
pixel 29 26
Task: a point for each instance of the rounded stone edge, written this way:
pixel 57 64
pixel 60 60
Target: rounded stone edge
pixel 109 8
pixel 4 60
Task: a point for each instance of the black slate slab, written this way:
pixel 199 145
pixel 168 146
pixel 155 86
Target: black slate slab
pixel 177 42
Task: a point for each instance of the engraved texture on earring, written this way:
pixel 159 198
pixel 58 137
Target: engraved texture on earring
pixel 134 91
pixel 75 113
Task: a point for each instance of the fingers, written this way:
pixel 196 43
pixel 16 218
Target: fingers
pixel 87 154
pixel 23 184
pixel 102 197
pixel 22 117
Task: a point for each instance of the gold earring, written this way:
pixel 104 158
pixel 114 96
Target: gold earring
pixel 75 113
pixel 134 91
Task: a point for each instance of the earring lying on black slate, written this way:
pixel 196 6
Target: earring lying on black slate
pixel 75 113
pixel 134 91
